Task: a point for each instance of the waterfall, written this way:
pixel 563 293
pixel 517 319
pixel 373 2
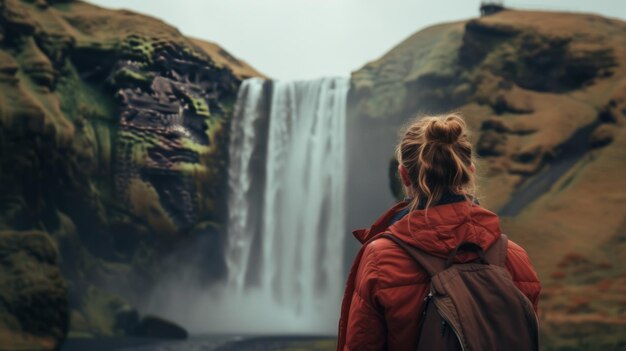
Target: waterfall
pixel 244 180
pixel 286 224
pixel 287 205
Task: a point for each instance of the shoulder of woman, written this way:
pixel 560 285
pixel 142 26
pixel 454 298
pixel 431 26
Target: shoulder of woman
pixel 519 264
pixel 389 265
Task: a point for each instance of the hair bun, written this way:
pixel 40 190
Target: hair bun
pixel 447 131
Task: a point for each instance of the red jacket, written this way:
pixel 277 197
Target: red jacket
pixel 386 288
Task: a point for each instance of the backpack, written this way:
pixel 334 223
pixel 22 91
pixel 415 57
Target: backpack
pixel 475 305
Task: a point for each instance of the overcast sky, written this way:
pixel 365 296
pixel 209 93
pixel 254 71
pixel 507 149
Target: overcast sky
pixel 303 39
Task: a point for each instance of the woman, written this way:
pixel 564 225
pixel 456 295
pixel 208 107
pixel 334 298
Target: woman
pixel 386 289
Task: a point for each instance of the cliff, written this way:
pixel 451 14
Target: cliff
pixel 545 97
pixel 112 154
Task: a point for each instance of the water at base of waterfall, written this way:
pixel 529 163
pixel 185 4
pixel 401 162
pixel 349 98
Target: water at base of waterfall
pixel 203 343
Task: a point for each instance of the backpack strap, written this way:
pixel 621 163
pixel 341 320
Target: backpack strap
pixel 429 263
pixel 496 254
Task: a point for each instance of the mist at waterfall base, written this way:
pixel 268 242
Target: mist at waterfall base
pixel 286 227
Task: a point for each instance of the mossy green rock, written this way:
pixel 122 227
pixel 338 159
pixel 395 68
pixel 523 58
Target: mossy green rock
pixel 33 295
pixel 113 136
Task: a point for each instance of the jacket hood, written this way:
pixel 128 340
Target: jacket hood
pixel 440 229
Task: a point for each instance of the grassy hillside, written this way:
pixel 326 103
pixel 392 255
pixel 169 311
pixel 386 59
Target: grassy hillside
pixel 545 96
pixel 112 154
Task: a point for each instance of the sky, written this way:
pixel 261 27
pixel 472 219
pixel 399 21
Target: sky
pixel 307 39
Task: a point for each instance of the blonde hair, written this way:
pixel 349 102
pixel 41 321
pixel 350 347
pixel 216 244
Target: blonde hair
pixel 438 156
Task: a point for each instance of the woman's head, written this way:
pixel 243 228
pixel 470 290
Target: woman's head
pixel 435 156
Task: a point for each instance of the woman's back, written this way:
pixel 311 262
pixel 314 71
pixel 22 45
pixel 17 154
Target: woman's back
pixel 386 288
pixel 390 288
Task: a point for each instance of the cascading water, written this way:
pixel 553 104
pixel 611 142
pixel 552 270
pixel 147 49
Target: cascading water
pixel 245 187
pixel 286 225
pixel 287 206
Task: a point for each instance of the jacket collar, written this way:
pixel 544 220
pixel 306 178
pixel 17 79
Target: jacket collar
pixel 381 224
pixel 397 212
pixel 439 229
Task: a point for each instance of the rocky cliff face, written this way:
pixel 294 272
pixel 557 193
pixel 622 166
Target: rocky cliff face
pixel 33 298
pixel 112 145
pixel 545 95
